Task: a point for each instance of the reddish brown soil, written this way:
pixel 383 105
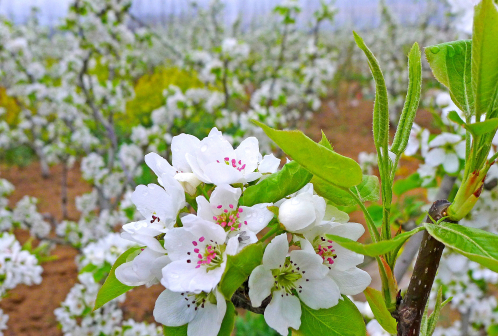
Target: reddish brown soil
pixel 31 308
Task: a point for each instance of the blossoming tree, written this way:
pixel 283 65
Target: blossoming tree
pixel 198 236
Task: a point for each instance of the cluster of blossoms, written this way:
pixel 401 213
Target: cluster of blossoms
pixel 76 315
pixel 24 215
pixel 17 266
pixel 187 253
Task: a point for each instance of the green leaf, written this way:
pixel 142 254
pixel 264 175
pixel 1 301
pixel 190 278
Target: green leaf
pixel 493 330
pixel 112 288
pixel 317 159
pixel 288 180
pixel 477 245
pixel 344 319
pixel 381 105
pixel 376 301
pixel 411 102
pixel 376 211
pixel 481 128
pixel 429 322
pixel 228 321
pixel 484 57
pixel 455 117
pixel 369 190
pixel 325 142
pixel 411 182
pixel 374 249
pixel 451 65
pixel 175 331
pixel 239 267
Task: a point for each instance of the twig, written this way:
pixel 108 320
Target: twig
pixel 411 247
pixel 241 299
pixel 409 313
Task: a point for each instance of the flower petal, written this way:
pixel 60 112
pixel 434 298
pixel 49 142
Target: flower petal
pixel 297 213
pixel 248 153
pixel 351 281
pixel 127 276
pixel 220 173
pixel 257 217
pixel 181 276
pixel 204 208
pixel 435 157
pixel 283 312
pixel 319 293
pixel 172 309
pixel 350 230
pixel 180 146
pixel 276 252
pixel 206 322
pixel 226 196
pixel 451 163
pixel 159 165
pixel 269 164
pixel 260 285
pixel 311 263
pixel 346 258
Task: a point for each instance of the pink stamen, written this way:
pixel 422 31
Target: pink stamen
pixel 200 256
pixel 231 206
pixel 201 239
pixel 225 210
pixel 241 210
pixel 227 159
pixel 196 250
pixel 219 206
pixel 215 218
pixel 194 243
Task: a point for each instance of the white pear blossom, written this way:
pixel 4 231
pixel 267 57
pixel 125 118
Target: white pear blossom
pixel 301 210
pixel 289 279
pixel 180 170
pixel 419 139
pixel 144 269
pixel 446 149
pixel 198 253
pixel 203 312
pixel 215 161
pixel 241 221
pixel 160 207
pixel 340 261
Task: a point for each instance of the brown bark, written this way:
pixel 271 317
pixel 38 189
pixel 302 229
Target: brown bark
pixel 410 312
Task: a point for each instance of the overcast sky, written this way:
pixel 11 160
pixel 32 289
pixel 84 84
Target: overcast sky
pixel 358 11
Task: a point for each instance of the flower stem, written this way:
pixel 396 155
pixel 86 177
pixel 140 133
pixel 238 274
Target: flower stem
pixel 370 223
pixel 270 233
